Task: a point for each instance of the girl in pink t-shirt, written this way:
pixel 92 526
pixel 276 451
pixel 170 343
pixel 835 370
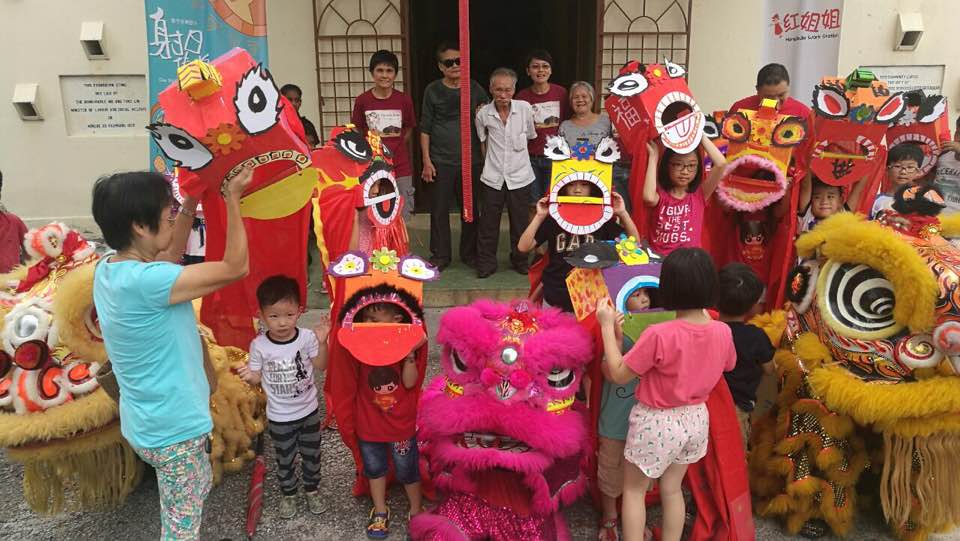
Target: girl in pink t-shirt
pixel 673 190
pixel 678 362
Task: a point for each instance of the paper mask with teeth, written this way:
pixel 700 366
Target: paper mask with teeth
pixel 217 118
pixel 923 124
pixel 585 212
pixel 851 116
pixel 658 93
pixel 760 144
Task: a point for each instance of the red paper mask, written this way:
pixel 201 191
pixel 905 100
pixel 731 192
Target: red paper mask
pixel 758 154
pixel 921 124
pixel 659 94
pixel 229 114
pixel 371 282
pixel 851 117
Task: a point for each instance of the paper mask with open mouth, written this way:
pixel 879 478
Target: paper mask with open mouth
pixel 581 181
pixel 222 116
pixel 851 117
pixel 921 124
pixel 661 94
pixel 632 266
pixel 375 280
pixel 758 154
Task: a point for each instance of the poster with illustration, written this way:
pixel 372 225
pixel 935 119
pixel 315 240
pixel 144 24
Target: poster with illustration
pixel 385 122
pixel 546 114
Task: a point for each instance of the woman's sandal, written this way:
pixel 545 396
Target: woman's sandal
pixel 608 531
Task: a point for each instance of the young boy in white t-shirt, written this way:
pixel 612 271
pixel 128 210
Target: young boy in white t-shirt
pixel 283 360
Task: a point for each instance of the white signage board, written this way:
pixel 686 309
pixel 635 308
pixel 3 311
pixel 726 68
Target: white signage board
pixel 904 78
pixel 804 36
pixel 104 105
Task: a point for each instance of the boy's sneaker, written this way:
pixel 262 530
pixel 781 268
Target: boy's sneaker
pixel 288 506
pixel 314 503
pixel 379 525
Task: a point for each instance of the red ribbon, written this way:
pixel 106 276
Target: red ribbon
pixel 466 171
pixel 71 244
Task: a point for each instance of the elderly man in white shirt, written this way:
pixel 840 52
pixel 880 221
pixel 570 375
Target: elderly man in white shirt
pixel 504 126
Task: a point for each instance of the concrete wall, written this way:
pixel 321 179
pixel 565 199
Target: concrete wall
pixel 49 174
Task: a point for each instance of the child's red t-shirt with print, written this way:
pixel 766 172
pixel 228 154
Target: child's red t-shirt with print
pixel 386 410
pixel 676 223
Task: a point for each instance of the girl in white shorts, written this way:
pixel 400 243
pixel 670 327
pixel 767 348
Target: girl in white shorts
pixel 679 363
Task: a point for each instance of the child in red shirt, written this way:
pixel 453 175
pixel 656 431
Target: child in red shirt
pixel 680 362
pixel 12 230
pixel 386 407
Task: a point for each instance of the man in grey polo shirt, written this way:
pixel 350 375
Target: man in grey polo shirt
pixel 504 127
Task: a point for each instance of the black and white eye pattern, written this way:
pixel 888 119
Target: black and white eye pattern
pixel 180 147
pixel 607 151
pixel 557 148
pixel 459 367
pixel 858 297
pixel 674 70
pixel 628 85
pixel 931 109
pixel 354 146
pixel 710 128
pixel 560 378
pixel 257 100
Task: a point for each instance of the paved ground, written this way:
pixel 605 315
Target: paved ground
pixel 344 517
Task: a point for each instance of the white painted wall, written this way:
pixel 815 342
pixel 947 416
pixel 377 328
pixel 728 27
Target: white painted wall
pixel 48 174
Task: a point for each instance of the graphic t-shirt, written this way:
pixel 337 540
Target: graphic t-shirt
pixel 549 110
pixel 947 179
pixel 386 410
pixel 392 118
pixel 616 403
pixel 753 351
pixel 676 223
pixel 286 374
pixel 560 243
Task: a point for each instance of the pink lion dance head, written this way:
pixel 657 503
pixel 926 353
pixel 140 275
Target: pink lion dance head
pixel 501 425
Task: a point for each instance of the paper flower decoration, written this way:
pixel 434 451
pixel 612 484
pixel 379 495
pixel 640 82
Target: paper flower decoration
pixel 349 264
pixel 417 269
pixel 630 251
pixel 582 150
pixel 224 139
pixel 384 260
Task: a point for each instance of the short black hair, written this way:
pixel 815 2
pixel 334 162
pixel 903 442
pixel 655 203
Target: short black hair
pixel 446 46
pixel 688 280
pixel 278 288
pixel 663 171
pixel 382 291
pixel 740 289
pixel 816 183
pixel 905 152
pixel 772 74
pixel 288 87
pixel 121 200
pixel 538 54
pixel 384 56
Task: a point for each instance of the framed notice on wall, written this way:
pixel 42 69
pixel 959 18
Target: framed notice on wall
pixel 904 78
pixel 99 105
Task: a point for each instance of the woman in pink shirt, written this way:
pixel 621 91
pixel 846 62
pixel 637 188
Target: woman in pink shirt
pixel 678 362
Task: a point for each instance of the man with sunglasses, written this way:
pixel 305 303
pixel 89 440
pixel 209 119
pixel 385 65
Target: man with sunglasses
pixel 440 145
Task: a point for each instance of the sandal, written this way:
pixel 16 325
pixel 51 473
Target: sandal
pixel 608 531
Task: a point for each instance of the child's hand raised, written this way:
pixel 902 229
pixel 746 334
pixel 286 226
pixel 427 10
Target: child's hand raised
pixel 619 207
pixel 543 207
pixel 653 150
pixel 606 313
pixel 322 330
pixel 618 327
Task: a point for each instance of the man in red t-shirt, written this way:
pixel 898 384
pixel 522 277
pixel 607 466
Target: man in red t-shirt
pixel 389 113
pixel 550 108
pixel 773 82
pixel 12 230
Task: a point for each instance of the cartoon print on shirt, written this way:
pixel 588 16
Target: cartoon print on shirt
pixel 384 380
pixel 753 241
pixel 288 378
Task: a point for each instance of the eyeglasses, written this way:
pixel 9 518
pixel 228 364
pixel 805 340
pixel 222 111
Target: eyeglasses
pixel 450 62
pixel 684 166
pixel 904 168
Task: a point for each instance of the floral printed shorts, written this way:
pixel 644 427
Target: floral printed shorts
pixel 660 437
pixel 184 477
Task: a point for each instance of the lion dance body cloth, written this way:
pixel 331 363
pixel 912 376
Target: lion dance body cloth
pixel 867 368
pixel 506 442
